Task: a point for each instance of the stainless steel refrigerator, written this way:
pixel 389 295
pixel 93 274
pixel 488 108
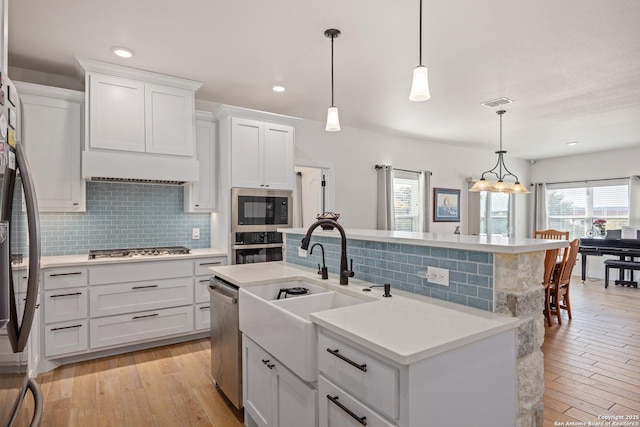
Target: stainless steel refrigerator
pixel 16 322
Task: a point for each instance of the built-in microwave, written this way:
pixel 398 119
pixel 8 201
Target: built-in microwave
pixel 260 210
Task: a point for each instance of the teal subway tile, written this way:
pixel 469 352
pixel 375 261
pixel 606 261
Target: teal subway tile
pixel 478 280
pixel 439 253
pixel 422 290
pixel 479 257
pixel 458 254
pixel 456 276
pixel 457 298
pixel 414 280
pixel 394 266
pixel 478 303
pixel 467 290
pixel 485 269
pixel 400 258
pixel 423 250
pixel 407 268
pixel 401 277
pixel 381 246
pixel 408 287
pixel 414 260
pixel 448 264
pixel 468 267
pixel 439 294
pixel 430 262
pixel 387 274
pixel 485 293
pixel 407 249
pixel 393 247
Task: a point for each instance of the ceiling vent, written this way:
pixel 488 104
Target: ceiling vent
pixel 497 102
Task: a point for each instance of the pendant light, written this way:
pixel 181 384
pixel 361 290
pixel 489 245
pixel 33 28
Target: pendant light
pixel 420 85
pixel 333 121
pixel 501 186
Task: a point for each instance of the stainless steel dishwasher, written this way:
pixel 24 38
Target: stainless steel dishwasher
pixel 226 341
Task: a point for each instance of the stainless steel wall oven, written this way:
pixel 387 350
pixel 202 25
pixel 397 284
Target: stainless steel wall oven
pixel 255 217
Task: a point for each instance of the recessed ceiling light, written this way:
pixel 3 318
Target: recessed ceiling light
pixel 278 88
pixel 572 143
pixel 122 52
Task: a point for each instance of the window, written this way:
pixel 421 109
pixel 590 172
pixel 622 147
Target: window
pixel 407 201
pixel 575 207
pixel 495 215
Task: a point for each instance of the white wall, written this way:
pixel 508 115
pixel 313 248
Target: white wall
pixel 355 152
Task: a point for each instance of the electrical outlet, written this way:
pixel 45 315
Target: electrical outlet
pixel 195 233
pixel 302 253
pixel 439 276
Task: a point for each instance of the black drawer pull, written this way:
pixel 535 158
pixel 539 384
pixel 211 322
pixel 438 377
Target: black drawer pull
pixel 336 353
pixel 269 365
pixel 66 295
pixel 75 273
pixel 144 287
pixel 211 263
pixel 361 420
pixel 205 307
pixel 205 280
pixel 145 316
pixel 65 327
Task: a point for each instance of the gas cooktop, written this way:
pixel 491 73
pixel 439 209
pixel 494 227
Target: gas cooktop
pixel 138 252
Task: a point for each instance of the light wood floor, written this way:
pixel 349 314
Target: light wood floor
pixel 592 362
pixel 592 368
pixel 168 386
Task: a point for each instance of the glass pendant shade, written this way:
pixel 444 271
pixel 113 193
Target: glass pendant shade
pixel 501 187
pixel 481 185
pixel 333 121
pixel 420 85
pixel 519 188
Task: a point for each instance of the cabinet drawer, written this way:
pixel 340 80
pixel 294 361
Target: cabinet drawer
pixel 65 304
pixel 139 296
pixel 202 265
pixel 338 408
pixel 138 271
pixel 202 314
pixel 128 328
pixel 59 278
pixel 63 338
pixel 377 383
pixel 202 289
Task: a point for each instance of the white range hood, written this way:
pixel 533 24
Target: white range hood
pixel 138 167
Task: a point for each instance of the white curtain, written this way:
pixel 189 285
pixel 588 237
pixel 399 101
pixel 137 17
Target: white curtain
pixel 386 220
pixel 634 201
pixel 297 201
pixel 424 182
pixel 538 209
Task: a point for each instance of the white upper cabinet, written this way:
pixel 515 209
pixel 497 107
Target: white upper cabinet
pixel 261 154
pixel 201 196
pixel 169 120
pixel 116 113
pixel 140 124
pixel 129 115
pixel 53 140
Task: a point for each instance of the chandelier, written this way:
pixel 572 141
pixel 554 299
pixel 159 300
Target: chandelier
pixel 502 172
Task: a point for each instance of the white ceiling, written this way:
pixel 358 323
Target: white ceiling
pixel 572 66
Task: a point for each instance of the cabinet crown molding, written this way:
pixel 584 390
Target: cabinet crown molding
pixel 25 88
pixel 84 66
pixel 230 110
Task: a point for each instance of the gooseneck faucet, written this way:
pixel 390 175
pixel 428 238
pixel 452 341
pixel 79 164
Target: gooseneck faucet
pixel 345 273
pixel 321 270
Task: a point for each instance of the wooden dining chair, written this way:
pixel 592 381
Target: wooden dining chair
pixel 550 262
pixel 559 287
pixel 551 234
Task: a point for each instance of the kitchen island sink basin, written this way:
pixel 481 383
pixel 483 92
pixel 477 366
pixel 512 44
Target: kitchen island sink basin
pixel 283 327
pixel 272 290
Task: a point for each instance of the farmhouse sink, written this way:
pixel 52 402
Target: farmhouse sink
pixel 271 291
pixel 283 327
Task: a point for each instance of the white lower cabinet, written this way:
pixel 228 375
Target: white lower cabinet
pixel 202 315
pixel 66 337
pixel 65 304
pixel 129 328
pixel 338 408
pixel 272 394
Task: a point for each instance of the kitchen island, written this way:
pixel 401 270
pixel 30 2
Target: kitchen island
pixel 495 274
pixel 423 359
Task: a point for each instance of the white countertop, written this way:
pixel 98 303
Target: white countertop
pixel 83 259
pixel 404 328
pixel 507 245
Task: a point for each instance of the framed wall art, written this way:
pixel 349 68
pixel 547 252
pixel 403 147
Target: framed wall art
pixel 446 205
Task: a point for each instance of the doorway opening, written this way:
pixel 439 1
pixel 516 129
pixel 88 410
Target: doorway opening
pixel 312 193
